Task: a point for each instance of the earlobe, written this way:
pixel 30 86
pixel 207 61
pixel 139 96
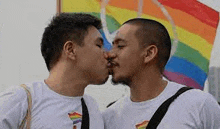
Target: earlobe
pixel 69 49
pixel 150 53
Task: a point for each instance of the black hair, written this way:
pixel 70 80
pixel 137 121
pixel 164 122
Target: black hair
pixel 152 32
pixel 65 27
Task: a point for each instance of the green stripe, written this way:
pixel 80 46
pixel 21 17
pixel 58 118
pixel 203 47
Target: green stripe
pixel 193 56
pixel 112 24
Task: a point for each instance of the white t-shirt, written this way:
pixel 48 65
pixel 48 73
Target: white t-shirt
pixel 193 109
pixel 50 110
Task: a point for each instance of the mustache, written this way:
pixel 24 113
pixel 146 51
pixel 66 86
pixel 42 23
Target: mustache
pixel 112 63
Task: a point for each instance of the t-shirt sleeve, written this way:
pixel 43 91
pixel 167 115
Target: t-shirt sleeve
pixel 13 107
pixel 210 113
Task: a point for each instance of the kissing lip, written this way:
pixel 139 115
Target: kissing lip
pixel 112 64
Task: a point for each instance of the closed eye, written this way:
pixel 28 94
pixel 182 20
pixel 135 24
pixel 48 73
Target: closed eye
pixel 99 42
pixel 100 46
pixel 121 46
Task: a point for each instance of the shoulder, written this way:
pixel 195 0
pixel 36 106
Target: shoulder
pixel 91 102
pixel 14 93
pixel 195 99
pixel 192 98
pixel 115 106
pixel 210 102
pixel 17 94
pixel 89 99
pixel 95 114
pixel 13 101
pixel 205 106
pixel 36 88
pixel 196 95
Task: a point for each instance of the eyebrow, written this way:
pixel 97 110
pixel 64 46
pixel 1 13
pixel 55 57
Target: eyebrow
pixel 117 40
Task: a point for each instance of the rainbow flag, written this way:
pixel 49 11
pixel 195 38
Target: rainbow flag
pixel 191 25
pixel 75 117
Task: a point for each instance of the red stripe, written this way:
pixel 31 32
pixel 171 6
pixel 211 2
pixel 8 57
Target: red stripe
pixel 181 79
pixel 198 10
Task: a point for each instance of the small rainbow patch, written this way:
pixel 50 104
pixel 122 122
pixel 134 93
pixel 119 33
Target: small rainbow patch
pixel 75 117
pixel 142 125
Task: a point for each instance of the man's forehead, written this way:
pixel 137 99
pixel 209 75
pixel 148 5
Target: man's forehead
pixel 94 33
pixel 126 31
pixel 119 35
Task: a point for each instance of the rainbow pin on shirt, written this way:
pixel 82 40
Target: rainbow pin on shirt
pixel 142 125
pixel 75 117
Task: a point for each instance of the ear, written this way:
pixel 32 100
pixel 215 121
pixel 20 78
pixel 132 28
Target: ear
pixel 69 48
pixel 150 52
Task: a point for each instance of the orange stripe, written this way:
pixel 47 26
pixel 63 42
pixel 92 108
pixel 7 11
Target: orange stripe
pixel 206 14
pixel 195 26
pixel 180 18
pixel 128 4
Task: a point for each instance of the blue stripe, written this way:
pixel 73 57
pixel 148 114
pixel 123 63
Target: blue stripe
pixel 182 66
pixel 107 45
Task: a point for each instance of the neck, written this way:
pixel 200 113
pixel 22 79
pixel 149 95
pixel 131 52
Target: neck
pixel 64 82
pixel 146 86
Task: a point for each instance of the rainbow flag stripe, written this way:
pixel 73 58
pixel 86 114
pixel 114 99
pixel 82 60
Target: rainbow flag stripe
pixel 142 125
pixel 77 121
pixel 195 24
pixel 75 116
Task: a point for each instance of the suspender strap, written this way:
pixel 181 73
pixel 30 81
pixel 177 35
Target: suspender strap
pixel 161 111
pixel 110 104
pixel 28 115
pixel 85 117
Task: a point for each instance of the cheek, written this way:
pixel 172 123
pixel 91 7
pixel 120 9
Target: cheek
pixel 97 57
pixel 129 61
pixel 126 57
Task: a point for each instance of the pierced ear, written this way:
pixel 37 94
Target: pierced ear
pixel 69 49
pixel 150 53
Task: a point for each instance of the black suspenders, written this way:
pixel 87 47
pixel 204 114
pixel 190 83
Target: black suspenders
pixel 85 115
pixel 161 111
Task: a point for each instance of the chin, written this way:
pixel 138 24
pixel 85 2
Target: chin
pixel 102 81
pixel 120 80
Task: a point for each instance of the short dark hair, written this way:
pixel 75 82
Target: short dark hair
pixel 152 32
pixel 65 27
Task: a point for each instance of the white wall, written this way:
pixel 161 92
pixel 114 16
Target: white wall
pixel 22 23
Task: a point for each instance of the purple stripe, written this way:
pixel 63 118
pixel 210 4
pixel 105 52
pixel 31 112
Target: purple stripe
pixel 179 78
pixel 77 121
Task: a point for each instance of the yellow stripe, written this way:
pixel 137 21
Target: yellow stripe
pixel 194 41
pixel 80 6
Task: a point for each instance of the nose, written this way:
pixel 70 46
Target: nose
pixel 109 55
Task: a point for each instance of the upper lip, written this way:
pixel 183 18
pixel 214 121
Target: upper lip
pixel 111 64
